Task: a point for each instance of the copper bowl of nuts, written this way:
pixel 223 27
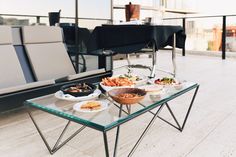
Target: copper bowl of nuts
pixel 127 96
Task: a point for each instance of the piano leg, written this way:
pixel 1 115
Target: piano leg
pixel 154 61
pixel 174 55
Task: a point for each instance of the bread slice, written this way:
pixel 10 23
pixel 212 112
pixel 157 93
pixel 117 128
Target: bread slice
pixel 91 105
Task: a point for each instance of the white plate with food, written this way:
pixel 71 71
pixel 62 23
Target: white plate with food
pixel 91 106
pixel 133 77
pixel 165 81
pixel 62 96
pixel 110 83
pixel 169 82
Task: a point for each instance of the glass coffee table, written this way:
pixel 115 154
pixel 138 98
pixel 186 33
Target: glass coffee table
pixel 111 116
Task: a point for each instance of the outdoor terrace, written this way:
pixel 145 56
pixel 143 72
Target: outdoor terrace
pixel 210 130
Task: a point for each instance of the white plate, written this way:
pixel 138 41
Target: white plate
pixel 77 107
pixel 61 95
pixel 178 82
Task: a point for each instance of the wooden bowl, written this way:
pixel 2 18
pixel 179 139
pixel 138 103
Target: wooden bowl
pixel 114 94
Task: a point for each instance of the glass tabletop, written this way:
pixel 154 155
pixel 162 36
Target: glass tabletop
pixel 107 117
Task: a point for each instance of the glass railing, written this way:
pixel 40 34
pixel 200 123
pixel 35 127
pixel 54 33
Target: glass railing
pixel 21 20
pixel 209 35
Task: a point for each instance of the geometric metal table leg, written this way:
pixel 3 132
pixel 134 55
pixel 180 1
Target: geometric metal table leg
pixel 178 127
pixel 117 133
pixel 60 137
pixel 168 122
pixel 40 133
pixel 181 127
pixel 145 131
pixel 189 109
pixel 175 119
pixel 69 138
pixel 106 144
pixel 56 147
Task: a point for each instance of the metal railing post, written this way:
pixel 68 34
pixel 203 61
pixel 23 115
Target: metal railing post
pixel 76 37
pixel 184 28
pixel 37 19
pixel 112 11
pixel 223 37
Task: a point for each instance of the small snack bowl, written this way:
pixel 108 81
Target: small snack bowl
pixel 78 89
pixel 178 86
pixel 127 96
pixel 155 97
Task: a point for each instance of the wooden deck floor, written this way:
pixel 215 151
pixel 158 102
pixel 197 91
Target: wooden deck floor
pixel 209 132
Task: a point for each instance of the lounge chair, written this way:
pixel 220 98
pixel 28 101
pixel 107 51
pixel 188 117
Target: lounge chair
pixel 48 56
pixel 12 77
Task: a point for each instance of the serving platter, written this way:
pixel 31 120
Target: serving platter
pixel 133 77
pixel 171 83
pixel 68 97
pixel 110 83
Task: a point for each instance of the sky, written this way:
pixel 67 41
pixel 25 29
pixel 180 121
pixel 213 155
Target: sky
pixel 101 8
